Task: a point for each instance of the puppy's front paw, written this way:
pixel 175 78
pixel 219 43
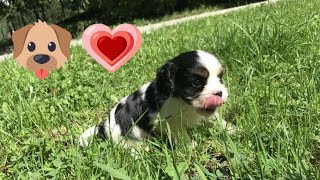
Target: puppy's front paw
pixel 231 130
pixel 229 127
pixel 135 153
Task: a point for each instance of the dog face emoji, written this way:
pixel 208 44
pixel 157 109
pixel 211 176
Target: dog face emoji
pixel 41 48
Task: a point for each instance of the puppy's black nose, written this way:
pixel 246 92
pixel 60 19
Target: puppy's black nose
pixel 41 58
pixel 219 93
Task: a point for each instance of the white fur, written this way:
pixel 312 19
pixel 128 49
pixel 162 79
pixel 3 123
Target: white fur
pixel 212 64
pixel 85 135
pixel 112 128
pixel 123 100
pixel 143 89
pixel 139 133
pixel 178 114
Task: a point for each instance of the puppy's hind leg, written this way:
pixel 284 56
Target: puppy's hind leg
pixel 92 131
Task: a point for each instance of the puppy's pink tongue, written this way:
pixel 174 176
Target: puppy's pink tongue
pixel 213 102
pixel 41 74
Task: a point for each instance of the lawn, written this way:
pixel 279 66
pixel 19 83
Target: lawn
pixel 271 56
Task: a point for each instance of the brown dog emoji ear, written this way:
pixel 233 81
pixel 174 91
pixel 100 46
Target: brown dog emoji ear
pixel 64 38
pixel 18 39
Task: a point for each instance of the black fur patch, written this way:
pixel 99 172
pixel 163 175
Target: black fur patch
pixel 185 76
pixel 101 131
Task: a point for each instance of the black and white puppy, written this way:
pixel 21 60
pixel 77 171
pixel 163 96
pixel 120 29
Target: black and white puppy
pixel 186 89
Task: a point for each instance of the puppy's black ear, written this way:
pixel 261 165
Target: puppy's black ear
pixel 165 79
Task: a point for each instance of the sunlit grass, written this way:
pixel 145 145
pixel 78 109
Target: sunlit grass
pixel 271 56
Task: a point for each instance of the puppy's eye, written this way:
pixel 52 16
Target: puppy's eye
pixel 196 83
pixel 31 46
pixel 220 74
pixel 51 46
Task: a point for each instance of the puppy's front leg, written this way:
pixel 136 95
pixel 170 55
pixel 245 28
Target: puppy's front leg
pixel 134 146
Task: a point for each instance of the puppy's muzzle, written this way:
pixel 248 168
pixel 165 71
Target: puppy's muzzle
pixel 41 58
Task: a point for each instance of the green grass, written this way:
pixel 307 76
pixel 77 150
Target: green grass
pixel 271 55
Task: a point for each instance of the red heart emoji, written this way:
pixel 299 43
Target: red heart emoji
pixel 111 48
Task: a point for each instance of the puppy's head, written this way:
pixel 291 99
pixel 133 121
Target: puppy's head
pixel 196 78
pixel 41 48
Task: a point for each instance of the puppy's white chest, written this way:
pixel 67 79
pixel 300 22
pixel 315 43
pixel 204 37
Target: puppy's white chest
pixel 177 114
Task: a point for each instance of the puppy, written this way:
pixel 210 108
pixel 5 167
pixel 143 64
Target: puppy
pixel 186 89
pixel 41 48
